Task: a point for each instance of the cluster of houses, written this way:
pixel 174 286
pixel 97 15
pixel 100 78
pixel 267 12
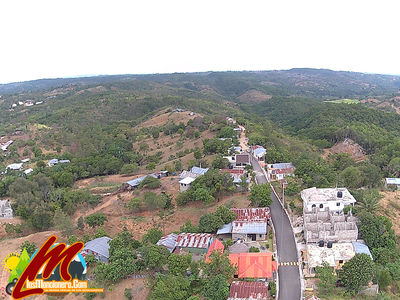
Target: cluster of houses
pixel 26 103
pixel 248 229
pixel 330 234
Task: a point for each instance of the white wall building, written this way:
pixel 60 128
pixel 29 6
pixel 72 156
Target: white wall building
pixel 334 198
pixel 185 183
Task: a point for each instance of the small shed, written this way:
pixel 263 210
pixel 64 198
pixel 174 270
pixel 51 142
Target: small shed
pixel 168 241
pixel 98 247
pixel 185 183
pixel 392 182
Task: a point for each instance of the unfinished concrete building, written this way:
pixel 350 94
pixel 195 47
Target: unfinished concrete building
pixel 329 226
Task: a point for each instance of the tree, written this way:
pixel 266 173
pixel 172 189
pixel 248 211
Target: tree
pixel 220 162
pixel 203 194
pixel 352 177
pixel 100 232
pixel 170 287
pixel 327 279
pixel 150 182
pixel 178 264
pixel 153 201
pixel 219 264
pixel 210 223
pixel 369 201
pixel 244 185
pixel 377 232
pixel 41 219
pixel 135 204
pixel 30 247
pixel 66 179
pixel 197 153
pixel 260 195
pixel 254 249
pixel 225 214
pixel 152 236
pixel 226 132
pixel 153 256
pixel 63 222
pixel 357 272
pixel 81 223
pixel 188 227
pixel 129 168
pixel 384 279
pixel 96 219
pixel 216 288
pixel 394 269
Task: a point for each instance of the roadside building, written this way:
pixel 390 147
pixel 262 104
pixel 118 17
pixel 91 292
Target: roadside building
pixel 335 199
pixel 195 243
pixel 251 224
pixel 15 167
pixel 187 177
pixel 99 248
pixel 168 241
pixel 392 183
pixel 253 265
pixel 238 160
pixel 248 290
pixel 280 170
pixel 216 246
pixel 258 152
pixel 6 211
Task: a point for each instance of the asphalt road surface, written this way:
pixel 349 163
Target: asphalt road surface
pixel 289 275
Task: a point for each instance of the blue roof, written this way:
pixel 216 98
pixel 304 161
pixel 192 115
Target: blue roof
pixel 226 228
pixel 53 161
pixel 259 151
pixel 360 248
pixel 198 170
pixel 392 180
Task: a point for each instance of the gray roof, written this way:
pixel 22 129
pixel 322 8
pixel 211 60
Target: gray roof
pixel 227 228
pixel 360 248
pixel 99 245
pixel 249 227
pixel 137 181
pixel 392 181
pixel 239 248
pixel 198 170
pixel 282 166
pixel 168 241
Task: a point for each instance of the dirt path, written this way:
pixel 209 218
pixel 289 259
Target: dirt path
pixel 242 139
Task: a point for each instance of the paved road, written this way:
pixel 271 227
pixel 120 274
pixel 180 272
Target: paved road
pixel 289 275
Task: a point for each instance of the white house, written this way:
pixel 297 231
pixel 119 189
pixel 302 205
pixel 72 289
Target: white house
pixel 15 167
pixel 5 209
pixel 185 183
pixel 392 182
pixel 280 170
pixel 334 198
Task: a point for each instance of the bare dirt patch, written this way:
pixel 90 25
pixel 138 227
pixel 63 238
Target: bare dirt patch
pixel 347 146
pixel 254 96
pixel 390 204
pixel 164 117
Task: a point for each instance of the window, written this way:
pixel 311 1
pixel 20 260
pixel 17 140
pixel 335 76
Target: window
pixel 313 206
pixel 337 203
pixel 321 206
pixel 260 235
pixel 340 261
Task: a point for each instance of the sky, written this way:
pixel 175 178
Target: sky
pixel 58 38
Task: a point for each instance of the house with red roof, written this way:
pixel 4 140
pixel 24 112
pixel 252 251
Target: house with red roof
pixel 254 265
pixel 248 290
pixel 216 246
pixel 196 243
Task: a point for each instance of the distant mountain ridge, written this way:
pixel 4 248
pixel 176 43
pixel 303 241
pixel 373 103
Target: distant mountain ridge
pixel 303 82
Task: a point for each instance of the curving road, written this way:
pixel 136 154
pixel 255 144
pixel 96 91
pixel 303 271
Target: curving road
pixel 289 275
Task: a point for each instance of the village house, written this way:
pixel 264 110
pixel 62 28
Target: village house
pixel 251 224
pixel 258 152
pixel 99 248
pixel 187 177
pixel 14 167
pixel 392 183
pixel 248 290
pixel 195 243
pixel 238 160
pixel 237 175
pixel 6 211
pixel 280 170
pixel 168 241
pixel 29 103
pixel 329 226
pixel 216 246
pixel 239 247
pixel 230 120
pixel 253 265
pixel 55 161
pixel 335 199
pixel 28 171
pixel 334 254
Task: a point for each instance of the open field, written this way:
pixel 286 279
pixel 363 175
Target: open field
pixel 345 101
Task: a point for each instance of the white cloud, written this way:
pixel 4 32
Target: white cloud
pixel 69 38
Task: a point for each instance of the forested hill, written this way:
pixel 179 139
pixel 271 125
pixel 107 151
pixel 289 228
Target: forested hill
pixel 238 86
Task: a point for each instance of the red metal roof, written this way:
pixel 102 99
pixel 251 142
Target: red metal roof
pixel 254 214
pixel 256 147
pixel 233 171
pixel 242 158
pixel 215 246
pixel 193 240
pixel 245 289
pixel 253 265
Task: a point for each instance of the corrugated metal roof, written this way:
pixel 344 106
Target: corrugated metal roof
pixel 393 181
pixel 253 265
pixel 187 180
pixel 360 248
pixel 249 227
pixel 246 289
pixel 239 248
pixel 215 246
pixel 194 240
pixel 259 151
pixel 242 158
pixel 137 181
pixel 99 245
pixel 282 166
pixel 252 214
pixel 200 171
pixel 15 166
pixel 227 228
pixel 168 241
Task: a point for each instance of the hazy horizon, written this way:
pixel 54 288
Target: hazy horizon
pixel 69 39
